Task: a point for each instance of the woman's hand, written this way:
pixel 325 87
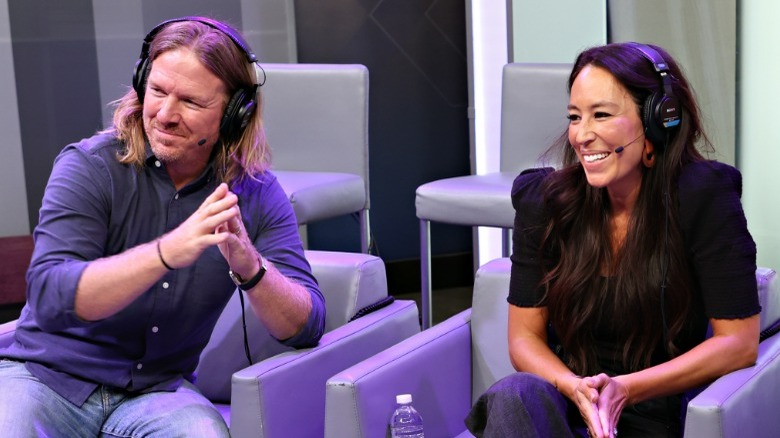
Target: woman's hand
pixel 600 400
pixel 586 396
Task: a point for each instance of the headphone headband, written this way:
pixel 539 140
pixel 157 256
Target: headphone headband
pixel 661 110
pixel 660 66
pixel 243 102
pixel 237 39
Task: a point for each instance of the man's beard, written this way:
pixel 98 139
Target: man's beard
pixel 162 149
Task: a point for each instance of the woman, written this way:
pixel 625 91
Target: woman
pixel 621 258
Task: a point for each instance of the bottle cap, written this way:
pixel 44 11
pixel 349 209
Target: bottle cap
pixel 403 399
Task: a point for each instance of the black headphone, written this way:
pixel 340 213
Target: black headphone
pixel 661 110
pixel 243 102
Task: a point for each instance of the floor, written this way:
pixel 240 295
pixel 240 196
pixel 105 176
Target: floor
pixel 9 312
pixel 446 302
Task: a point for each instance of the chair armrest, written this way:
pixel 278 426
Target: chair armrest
pixel 348 281
pixel 7 330
pixel 434 366
pixel 741 403
pixel 285 394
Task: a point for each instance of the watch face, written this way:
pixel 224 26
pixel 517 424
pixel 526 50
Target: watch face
pixel 236 279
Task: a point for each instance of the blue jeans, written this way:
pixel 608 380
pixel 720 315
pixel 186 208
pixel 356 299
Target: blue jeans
pixel 28 408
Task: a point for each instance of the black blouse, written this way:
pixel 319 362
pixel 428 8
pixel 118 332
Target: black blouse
pixel 720 250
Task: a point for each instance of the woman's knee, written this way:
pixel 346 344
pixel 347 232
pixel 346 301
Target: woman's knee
pixel 521 385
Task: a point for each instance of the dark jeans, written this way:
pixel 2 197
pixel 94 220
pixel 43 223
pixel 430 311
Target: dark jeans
pixel 526 406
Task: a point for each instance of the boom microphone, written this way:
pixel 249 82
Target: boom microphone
pixel 619 149
pixel 202 142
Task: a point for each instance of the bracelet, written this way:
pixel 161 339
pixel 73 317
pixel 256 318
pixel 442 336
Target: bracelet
pixel 159 253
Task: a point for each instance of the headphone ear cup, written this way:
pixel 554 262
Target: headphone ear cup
pixel 139 77
pixel 654 129
pixel 238 113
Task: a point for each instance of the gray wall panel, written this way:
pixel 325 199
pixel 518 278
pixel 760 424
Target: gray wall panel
pixel 415 51
pixel 119 32
pixel 702 36
pixel 65 61
pixel 56 76
pixel 269 27
pixel 14 218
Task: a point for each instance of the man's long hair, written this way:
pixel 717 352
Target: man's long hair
pixel 593 286
pixel 233 162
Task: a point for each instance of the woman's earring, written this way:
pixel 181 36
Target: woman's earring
pixel 648 159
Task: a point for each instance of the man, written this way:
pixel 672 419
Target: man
pixel 145 231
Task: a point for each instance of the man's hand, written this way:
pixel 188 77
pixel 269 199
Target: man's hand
pixel 237 249
pixel 207 226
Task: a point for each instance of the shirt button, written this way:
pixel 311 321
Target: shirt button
pixel 155 329
pixel 139 366
pixel 165 285
pixel 157 163
pixel 176 196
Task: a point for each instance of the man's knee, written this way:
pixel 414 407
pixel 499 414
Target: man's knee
pixel 182 413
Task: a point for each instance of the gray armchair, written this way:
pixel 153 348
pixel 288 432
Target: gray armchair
pixel 533 97
pixel 448 366
pixel 316 120
pixel 283 393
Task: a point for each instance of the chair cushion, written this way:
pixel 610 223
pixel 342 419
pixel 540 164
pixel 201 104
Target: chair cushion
pixel 322 195
pixel 224 410
pixel 477 200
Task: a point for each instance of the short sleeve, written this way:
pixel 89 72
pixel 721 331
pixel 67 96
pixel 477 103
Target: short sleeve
pixel 720 248
pixel 530 220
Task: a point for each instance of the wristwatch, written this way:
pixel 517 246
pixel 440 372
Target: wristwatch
pixel 245 285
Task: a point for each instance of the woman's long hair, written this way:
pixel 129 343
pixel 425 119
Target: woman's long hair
pixel 591 286
pixel 233 162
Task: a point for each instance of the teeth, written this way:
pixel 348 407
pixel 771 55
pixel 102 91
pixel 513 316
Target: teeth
pixel 595 157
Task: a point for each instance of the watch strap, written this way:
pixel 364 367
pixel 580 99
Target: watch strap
pixel 252 282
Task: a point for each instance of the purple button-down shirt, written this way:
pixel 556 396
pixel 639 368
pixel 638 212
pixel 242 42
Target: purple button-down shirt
pixel 95 207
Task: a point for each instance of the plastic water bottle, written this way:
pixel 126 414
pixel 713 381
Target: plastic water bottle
pixel 406 421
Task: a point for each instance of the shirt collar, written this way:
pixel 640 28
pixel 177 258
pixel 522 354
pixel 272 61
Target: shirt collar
pixel 207 176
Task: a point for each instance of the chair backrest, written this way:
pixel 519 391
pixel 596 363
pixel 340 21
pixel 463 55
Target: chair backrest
pixel 348 281
pixel 533 112
pixel 489 316
pixel 768 296
pixel 316 117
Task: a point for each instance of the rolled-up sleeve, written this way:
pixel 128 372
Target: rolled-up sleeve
pixel 71 231
pixel 271 219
